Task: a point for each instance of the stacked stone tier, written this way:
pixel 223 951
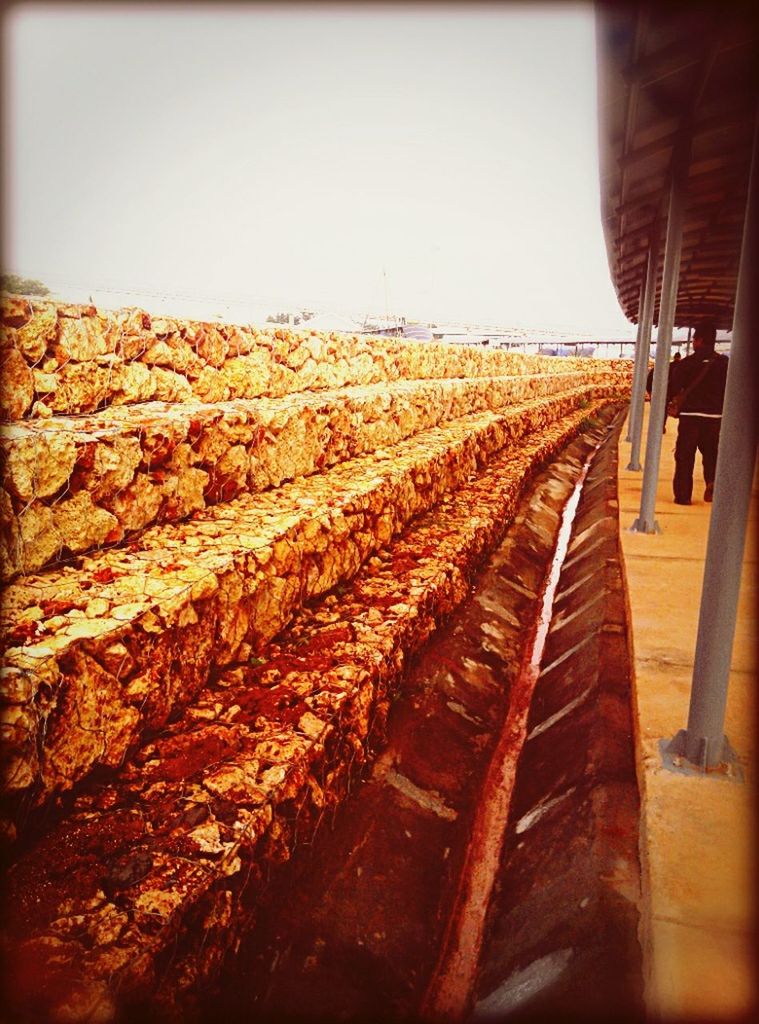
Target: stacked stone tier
pixel 220 545
pixel 99 651
pixel 74 483
pixel 138 892
pixel 64 359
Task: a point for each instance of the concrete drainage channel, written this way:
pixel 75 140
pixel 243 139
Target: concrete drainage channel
pixel 562 925
pixel 486 869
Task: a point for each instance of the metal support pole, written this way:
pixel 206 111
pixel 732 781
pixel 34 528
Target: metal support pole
pixel 703 743
pixel 638 360
pixel 646 523
pixel 642 348
pixel 687 343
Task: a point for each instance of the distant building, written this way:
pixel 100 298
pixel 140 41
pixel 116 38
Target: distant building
pixel 419 332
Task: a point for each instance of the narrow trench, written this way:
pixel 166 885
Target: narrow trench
pixel 534 654
pixel 561 937
pixel 488 864
pixel 450 990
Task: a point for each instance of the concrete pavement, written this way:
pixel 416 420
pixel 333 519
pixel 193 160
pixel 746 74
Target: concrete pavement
pixel 698 847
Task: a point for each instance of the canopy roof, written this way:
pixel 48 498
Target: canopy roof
pixel 676 79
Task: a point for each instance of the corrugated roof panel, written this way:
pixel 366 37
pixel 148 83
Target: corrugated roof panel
pixel 665 73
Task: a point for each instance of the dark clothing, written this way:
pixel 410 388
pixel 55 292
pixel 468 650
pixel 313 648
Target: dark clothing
pixel 707 396
pixel 694 433
pixel 650 379
pixel 700 418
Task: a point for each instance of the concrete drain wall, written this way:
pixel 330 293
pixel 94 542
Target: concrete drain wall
pixel 562 934
pixel 226 587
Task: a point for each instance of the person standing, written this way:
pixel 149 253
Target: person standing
pixel 703 376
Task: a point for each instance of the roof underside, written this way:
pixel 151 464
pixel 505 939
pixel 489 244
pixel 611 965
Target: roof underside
pixel 667 74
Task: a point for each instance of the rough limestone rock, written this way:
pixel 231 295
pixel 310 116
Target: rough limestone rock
pixel 222 544
pixel 163 461
pixel 159 857
pixel 169 595
pixel 83 360
pixel 16 384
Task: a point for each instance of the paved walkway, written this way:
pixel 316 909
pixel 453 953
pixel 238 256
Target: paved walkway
pixel 697 838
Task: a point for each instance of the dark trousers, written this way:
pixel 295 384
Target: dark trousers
pixel 694 433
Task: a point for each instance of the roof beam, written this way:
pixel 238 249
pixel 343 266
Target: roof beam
pixel 671 59
pixel 695 94
pixel 631 112
pixel 701 189
pixel 717 122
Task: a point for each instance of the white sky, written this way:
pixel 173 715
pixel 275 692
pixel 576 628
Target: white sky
pixel 295 156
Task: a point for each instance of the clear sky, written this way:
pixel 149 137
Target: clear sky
pixel 435 162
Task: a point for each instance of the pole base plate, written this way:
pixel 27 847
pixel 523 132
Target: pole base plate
pixel 726 763
pixel 641 526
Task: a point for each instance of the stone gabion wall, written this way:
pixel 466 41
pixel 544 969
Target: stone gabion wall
pixel 283 404
pixel 62 359
pixel 220 546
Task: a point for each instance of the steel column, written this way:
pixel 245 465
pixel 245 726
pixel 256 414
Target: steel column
pixel 638 360
pixel 642 348
pixel 646 523
pixel 703 743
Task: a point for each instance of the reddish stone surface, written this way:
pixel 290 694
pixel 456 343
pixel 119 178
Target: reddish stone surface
pixel 82 359
pixel 174 495
pixel 74 483
pixel 145 622
pixel 227 786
